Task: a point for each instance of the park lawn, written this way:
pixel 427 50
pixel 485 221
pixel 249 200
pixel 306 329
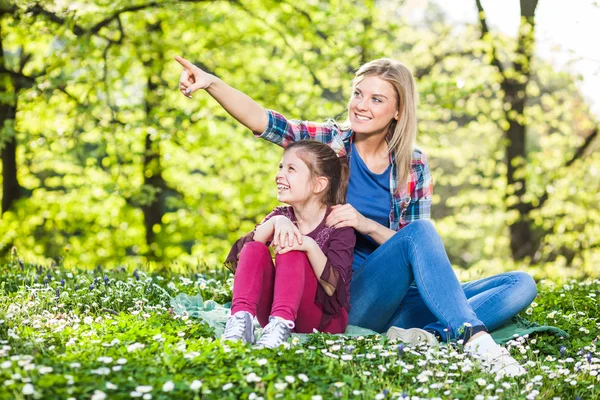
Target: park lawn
pixel 70 333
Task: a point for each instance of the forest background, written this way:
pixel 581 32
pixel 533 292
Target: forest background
pixel 104 162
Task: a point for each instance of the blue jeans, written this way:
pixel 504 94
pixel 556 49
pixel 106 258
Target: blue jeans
pixel 408 282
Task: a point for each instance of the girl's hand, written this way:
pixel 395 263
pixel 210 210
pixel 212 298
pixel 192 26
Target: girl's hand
pixel 345 215
pixel 193 78
pixel 285 232
pixel 306 244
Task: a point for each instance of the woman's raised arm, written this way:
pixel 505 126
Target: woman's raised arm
pixel 239 105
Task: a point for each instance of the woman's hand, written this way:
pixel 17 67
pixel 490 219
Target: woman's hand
pixel 193 78
pixel 342 215
pixel 305 245
pixel 285 232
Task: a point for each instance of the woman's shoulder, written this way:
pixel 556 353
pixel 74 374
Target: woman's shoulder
pixel 418 157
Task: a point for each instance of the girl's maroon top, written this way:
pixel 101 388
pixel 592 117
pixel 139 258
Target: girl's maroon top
pixel 338 247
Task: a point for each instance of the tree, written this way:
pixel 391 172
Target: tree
pixel 514 78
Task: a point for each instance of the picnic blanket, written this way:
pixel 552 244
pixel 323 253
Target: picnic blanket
pixel 215 315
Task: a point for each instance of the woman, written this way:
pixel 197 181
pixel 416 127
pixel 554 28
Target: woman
pixel 402 276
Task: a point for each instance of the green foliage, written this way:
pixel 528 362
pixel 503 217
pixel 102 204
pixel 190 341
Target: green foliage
pixel 62 337
pixel 100 92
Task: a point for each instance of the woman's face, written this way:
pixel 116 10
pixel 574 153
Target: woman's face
pixel 373 106
pixel 294 184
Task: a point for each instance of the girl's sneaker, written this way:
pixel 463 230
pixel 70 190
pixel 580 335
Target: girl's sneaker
pixel 495 358
pixel 277 332
pixel 239 328
pixel 411 336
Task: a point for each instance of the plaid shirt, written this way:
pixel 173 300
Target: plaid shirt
pixel 412 202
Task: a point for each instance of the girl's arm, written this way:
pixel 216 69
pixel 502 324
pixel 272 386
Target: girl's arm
pixel 333 268
pixel 318 261
pixel 239 105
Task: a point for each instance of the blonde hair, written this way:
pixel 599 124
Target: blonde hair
pixel 402 133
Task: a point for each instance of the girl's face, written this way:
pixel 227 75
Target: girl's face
pixel 294 183
pixel 373 106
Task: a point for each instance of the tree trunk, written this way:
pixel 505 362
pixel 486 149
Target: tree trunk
pixel 522 241
pixel 153 178
pixel 11 189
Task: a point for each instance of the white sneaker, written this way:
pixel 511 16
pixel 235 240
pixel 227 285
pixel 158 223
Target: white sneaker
pixel 494 358
pixel 411 336
pixel 275 333
pixel 239 328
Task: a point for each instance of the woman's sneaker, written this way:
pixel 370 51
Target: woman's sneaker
pixel 277 332
pixel 494 358
pixel 411 336
pixel 239 328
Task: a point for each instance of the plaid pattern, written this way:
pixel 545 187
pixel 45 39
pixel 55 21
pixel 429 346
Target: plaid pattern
pixel 412 202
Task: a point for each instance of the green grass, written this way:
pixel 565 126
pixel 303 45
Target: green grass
pixel 111 334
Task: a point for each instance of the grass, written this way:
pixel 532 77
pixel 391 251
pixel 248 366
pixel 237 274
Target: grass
pixel 112 334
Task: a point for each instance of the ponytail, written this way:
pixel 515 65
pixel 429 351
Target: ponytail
pixel 342 187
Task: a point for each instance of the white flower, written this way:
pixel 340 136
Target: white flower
pixel 280 385
pixel 28 389
pixel 481 382
pixel 196 385
pixel 529 311
pixel 252 377
pixel 147 396
pixel 346 357
pixel 168 386
pixel 317 397
pixel 135 347
pixel 101 371
pixel 105 360
pixel 135 394
pixel 261 361
pixel 290 379
pixel 44 370
pixel 339 384
pixel 121 361
pixel 75 365
pixel 143 389
pixel 6 364
pixel 227 386
pixel 111 386
pixel 98 395
pixel 303 378
pixel 158 338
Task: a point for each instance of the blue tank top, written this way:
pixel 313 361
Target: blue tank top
pixel 369 194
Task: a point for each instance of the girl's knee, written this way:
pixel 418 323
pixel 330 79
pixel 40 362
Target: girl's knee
pixel 291 256
pixel 255 247
pixel 255 255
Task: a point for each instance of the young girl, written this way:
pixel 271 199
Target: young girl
pixel 308 286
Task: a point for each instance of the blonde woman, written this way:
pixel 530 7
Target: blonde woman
pixel 402 278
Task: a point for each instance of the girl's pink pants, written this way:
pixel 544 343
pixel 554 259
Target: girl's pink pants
pixel 286 289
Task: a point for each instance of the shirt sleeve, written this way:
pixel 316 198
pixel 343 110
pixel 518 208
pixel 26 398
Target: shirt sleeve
pixel 338 271
pixel 234 254
pixel 421 195
pixel 283 132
